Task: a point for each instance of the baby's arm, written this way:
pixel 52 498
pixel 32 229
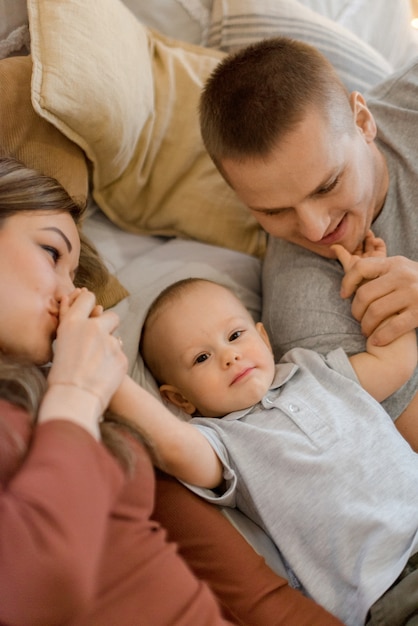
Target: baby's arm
pixel 381 369
pixel 180 449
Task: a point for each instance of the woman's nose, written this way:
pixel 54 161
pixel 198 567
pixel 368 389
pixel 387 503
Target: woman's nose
pixel 65 286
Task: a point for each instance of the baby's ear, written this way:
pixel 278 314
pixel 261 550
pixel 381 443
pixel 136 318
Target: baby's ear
pixel 173 395
pixel 263 334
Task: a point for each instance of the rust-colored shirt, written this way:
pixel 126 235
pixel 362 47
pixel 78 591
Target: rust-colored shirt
pixel 77 545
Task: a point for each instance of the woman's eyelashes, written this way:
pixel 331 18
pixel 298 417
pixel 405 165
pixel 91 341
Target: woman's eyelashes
pixel 53 252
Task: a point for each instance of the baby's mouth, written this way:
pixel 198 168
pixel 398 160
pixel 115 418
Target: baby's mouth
pixel 241 375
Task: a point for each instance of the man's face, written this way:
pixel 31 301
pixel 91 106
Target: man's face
pixel 318 187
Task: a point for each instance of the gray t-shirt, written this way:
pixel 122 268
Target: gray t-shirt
pixel 319 465
pixel 301 301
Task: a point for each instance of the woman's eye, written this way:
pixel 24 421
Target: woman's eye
pixel 201 358
pixel 235 335
pixel 53 252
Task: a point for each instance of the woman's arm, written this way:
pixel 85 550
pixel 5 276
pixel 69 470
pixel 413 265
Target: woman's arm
pixel 181 450
pixel 250 593
pixel 53 521
pixel 55 502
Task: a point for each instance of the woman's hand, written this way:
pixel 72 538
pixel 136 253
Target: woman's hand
pixel 88 364
pixel 391 291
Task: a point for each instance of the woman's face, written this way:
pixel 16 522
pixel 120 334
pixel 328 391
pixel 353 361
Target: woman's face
pixel 39 253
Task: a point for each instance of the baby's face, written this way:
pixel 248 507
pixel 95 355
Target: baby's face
pixel 213 352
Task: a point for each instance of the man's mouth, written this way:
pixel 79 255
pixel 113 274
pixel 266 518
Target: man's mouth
pixel 336 235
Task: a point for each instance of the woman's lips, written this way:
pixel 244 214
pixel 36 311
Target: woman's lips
pixel 55 320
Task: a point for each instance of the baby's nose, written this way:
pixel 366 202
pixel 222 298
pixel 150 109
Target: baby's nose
pixel 230 357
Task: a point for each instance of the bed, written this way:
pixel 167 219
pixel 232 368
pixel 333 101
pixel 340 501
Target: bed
pixel 103 95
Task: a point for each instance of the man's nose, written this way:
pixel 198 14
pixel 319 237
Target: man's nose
pixel 313 221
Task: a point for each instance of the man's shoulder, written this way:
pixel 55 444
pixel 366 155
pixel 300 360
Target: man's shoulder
pixel 400 88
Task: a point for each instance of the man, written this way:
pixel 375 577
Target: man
pixel 318 166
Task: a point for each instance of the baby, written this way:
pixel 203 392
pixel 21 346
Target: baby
pixel 302 447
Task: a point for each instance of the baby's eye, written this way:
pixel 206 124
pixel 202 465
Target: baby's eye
pixel 201 358
pixel 235 335
pixel 53 252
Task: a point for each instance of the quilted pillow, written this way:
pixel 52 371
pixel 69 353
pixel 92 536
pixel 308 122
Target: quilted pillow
pixel 236 23
pixel 128 97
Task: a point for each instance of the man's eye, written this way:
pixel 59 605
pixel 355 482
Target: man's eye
pixel 53 252
pixel 201 358
pixel 330 187
pixel 235 335
pixel 275 212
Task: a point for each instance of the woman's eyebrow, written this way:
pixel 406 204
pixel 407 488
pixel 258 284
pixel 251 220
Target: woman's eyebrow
pixel 59 231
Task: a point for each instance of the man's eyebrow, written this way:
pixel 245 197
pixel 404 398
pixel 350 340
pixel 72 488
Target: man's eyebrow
pixel 59 231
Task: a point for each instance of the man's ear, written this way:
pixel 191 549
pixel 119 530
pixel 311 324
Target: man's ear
pixel 363 117
pixel 263 334
pixel 173 395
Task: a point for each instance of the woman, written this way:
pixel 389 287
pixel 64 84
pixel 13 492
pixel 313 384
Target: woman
pixel 78 544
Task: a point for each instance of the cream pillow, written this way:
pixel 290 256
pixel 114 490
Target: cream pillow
pixel 236 23
pixel 128 96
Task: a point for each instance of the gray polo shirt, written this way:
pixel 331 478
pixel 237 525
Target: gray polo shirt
pixel 320 466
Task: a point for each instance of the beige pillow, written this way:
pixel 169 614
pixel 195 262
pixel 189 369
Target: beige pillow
pixel 28 137
pixel 128 96
pixel 37 143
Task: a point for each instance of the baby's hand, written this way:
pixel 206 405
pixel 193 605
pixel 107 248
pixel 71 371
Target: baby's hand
pixel 67 302
pixel 371 247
